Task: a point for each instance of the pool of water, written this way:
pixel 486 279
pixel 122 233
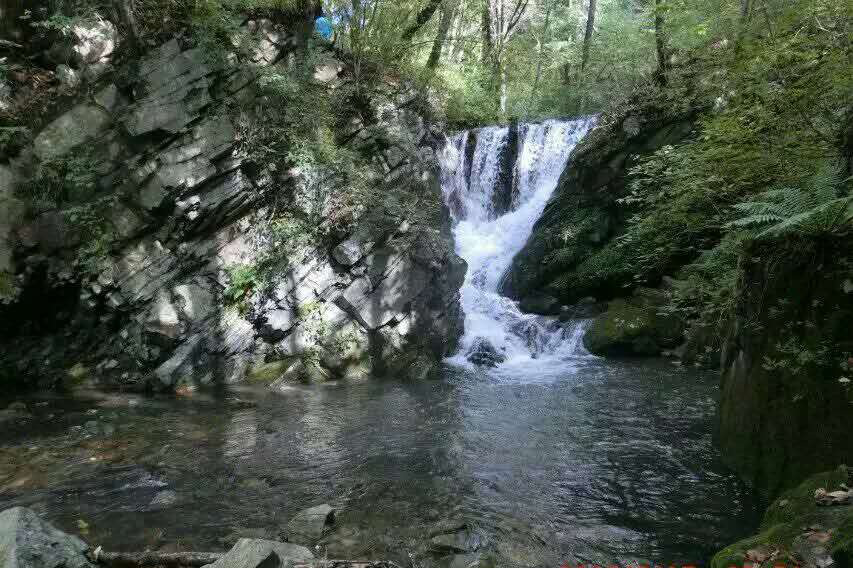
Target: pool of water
pixel 594 461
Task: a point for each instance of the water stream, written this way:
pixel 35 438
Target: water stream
pixel 552 455
pixel 489 235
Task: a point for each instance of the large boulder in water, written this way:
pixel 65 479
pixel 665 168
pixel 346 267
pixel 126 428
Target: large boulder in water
pixel 309 525
pixel 484 354
pixel 26 541
pixel 634 327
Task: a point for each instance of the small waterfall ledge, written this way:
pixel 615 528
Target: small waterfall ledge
pixel 496 192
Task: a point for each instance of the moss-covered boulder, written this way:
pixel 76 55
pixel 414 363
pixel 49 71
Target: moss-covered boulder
pixel 797 531
pixel 634 327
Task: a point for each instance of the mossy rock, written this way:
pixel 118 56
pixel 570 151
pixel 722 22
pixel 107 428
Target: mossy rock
pixel 75 376
pixel 633 327
pixel 784 536
pixel 266 373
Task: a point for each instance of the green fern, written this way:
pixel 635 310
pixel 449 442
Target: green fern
pixel 814 209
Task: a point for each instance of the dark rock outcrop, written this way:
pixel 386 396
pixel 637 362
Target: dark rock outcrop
pixel 583 215
pixel 786 407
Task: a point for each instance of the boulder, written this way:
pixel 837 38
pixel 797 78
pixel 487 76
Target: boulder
pixel 26 541
pixel 94 40
pixel 259 553
pixel 348 252
pixel 68 78
pixel 176 87
pixel 633 327
pixel 484 354
pixel 309 525
pixel 77 126
pixel 541 304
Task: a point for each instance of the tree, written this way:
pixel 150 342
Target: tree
pixel 661 44
pixel 448 9
pixel 540 56
pixel 422 18
pixel 587 36
pixel 500 21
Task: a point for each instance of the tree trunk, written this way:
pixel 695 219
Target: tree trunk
pixel 422 18
pixel 124 14
pixel 538 76
pixel 587 36
pixel 502 78
pixel 447 11
pixel 661 43
pixel 487 32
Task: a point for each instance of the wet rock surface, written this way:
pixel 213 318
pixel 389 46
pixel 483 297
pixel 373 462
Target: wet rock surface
pixel 26 541
pixel 309 525
pixel 258 553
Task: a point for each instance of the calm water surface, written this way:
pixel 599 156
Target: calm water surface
pixel 597 461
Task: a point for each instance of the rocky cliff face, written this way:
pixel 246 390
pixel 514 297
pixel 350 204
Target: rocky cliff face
pixel 129 284
pixel 786 409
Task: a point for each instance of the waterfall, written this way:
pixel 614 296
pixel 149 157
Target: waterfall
pixel 496 331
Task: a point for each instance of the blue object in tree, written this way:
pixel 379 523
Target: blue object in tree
pixel 323 27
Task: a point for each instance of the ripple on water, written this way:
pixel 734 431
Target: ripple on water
pixel 603 461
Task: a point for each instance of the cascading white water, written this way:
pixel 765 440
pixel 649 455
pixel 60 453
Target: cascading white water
pixel 496 331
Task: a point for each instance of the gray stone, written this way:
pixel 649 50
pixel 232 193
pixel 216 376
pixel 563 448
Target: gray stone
pixel 67 77
pixel 195 300
pixel 152 195
pixel 77 126
pixel 348 252
pixel 176 88
pixel 180 363
pixel 258 553
pixel 163 317
pixel 5 95
pixel 26 541
pixel 484 354
pixel 125 221
pixel 108 97
pixel 309 525
pixel 94 40
pixel 327 71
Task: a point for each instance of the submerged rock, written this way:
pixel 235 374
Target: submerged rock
pixel 26 541
pixel 309 525
pixel 258 553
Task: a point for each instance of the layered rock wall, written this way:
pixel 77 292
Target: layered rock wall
pixel 126 284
